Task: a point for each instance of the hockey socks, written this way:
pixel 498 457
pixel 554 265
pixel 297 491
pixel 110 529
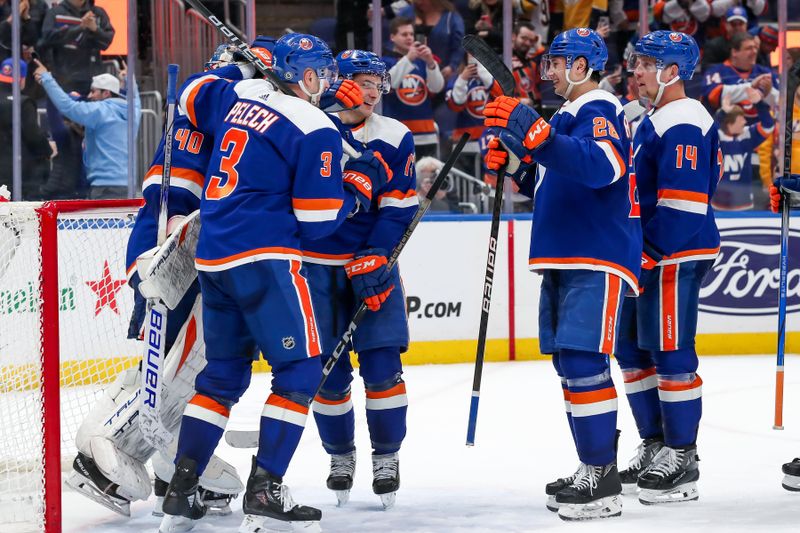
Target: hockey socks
pixel 680 392
pixel 282 423
pixel 387 406
pixel 641 388
pixel 203 423
pixel 333 413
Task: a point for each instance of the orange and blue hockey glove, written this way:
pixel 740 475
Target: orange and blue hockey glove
pixel 519 120
pixel 341 96
pixel 371 280
pixel 650 259
pixel 784 187
pixel 365 174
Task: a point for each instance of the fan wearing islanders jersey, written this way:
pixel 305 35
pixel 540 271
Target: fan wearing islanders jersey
pixel 467 94
pixel 678 163
pixel 586 242
pixel 274 177
pixel 415 77
pixel 349 267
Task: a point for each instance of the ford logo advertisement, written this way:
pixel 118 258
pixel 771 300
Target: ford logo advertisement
pixel 745 277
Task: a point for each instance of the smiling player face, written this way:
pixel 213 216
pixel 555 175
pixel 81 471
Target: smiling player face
pixel 370 85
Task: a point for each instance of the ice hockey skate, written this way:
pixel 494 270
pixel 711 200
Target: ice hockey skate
pixel 268 506
pixel 340 480
pixel 791 477
pixel 554 486
pixel 87 479
pixel 216 504
pixel 594 493
pixel 182 504
pixel 645 453
pixel 386 477
pixel 671 477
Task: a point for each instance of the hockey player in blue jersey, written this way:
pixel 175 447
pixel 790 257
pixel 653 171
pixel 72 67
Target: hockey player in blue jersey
pixel 110 465
pixel 586 242
pixel 273 178
pixel 678 164
pixel 350 266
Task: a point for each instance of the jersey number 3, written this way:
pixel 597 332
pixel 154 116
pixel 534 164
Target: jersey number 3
pixel 218 188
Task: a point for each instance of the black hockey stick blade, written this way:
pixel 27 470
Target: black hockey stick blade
pixel 487 57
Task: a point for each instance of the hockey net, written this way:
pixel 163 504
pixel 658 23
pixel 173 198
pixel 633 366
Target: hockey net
pixel 64 313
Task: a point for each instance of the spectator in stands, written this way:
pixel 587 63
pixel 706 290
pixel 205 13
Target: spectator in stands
pixel 538 13
pixel 485 19
pixel 467 96
pixel 446 199
pixel 444 27
pixel 31 13
pixel 686 16
pixel 36 149
pixel 737 142
pixel 718 49
pixel 526 52
pixel 767 43
pixel 415 79
pixel 105 119
pixel 67 175
pixel 578 14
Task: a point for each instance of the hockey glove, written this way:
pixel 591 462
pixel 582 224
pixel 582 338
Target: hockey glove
pixel 366 174
pixel 520 120
pixel 650 259
pixel 371 280
pixel 786 187
pixel 341 96
pixel 505 148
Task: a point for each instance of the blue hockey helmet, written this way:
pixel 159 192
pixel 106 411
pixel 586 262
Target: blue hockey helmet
pixel 296 52
pixel 668 48
pixel 575 43
pixel 352 62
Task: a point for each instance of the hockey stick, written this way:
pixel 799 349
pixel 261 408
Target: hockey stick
pixel 256 61
pixel 155 333
pixel 249 439
pixel 793 80
pixel 487 57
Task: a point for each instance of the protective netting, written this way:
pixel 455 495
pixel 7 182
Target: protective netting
pixel 94 309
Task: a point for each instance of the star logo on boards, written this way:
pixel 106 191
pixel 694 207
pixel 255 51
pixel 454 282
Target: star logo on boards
pixel 105 289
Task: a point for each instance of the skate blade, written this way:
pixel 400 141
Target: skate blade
pixel 175 524
pixel 608 507
pixel 264 524
pixel 552 505
pixel 158 510
pixel 388 499
pixel 629 489
pixel 84 486
pixel 342 497
pixel 791 483
pixel 682 493
pixel 217 510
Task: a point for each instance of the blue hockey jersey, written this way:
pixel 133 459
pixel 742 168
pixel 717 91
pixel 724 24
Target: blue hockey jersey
pixel 274 174
pixel 585 212
pixel 411 102
pixel 678 163
pixel 191 150
pixel 724 79
pixel 467 99
pixel 735 189
pixel 392 207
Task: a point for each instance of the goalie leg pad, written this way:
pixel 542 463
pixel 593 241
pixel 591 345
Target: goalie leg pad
pixel 129 474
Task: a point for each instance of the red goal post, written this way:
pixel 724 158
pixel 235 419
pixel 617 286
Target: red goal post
pixel 64 314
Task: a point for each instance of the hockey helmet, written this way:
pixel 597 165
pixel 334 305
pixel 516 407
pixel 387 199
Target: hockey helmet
pixel 296 52
pixel 667 48
pixel 575 43
pixel 352 62
pixel 224 55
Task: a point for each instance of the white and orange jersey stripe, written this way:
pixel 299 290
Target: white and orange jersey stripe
pixel 339 407
pixel 189 94
pixel 398 199
pixel 387 399
pixel 316 209
pixel 698 254
pixel 185 178
pixel 611 309
pixel 639 380
pixel 208 410
pixel 248 256
pixel 687 201
pixel 284 410
pixel 680 391
pixel 614 158
pixel 596 402
pixel 565 391
pixel 313 346
pixel 585 263
pixel 326 259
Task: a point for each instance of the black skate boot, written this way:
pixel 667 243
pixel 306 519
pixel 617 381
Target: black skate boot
pixel 386 477
pixel 791 478
pixel 340 480
pixel 268 506
pixel 645 453
pixel 671 477
pixel 554 486
pixel 594 493
pixel 182 504
pixel 87 479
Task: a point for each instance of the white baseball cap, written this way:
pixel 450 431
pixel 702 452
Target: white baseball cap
pixel 106 82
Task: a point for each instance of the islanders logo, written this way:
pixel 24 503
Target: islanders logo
pixel 476 101
pixel 6 70
pixel 675 37
pixel 583 32
pixel 306 44
pixel 412 90
pixel 346 54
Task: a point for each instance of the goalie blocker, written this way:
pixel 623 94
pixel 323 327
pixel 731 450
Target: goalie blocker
pixel 110 465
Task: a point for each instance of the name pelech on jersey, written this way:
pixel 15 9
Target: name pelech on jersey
pixel 392 208
pixel 678 164
pixel 586 215
pixel 273 176
pixel 191 151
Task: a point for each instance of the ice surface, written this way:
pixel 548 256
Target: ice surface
pixel 523 442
